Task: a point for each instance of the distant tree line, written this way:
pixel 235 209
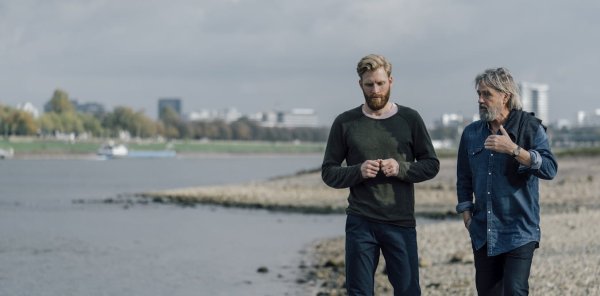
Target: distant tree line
pixel 64 118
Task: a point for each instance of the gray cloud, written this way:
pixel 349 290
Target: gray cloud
pixel 256 55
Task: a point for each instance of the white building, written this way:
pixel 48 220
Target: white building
pixel 202 115
pixel 452 119
pixel 591 119
pixel 299 117
pixel 227 115
pixel 534 97
pixel 30 108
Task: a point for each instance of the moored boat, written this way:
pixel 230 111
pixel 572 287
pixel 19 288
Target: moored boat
pixel 6 153
pixel 113 150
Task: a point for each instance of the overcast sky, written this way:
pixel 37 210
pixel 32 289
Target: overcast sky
pixel 277 54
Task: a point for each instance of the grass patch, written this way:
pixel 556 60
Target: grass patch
pixel 46 146
pixel 29 145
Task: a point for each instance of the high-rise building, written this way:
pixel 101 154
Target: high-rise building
pixel 534 97
pixel 173 103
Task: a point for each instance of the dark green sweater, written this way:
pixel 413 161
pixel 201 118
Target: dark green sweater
pixel 355 138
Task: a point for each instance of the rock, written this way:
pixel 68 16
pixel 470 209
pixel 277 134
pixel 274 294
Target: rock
pixel 434 285
pixel 331 263
pixel 424 262
pixel 463 257
pixel 262 269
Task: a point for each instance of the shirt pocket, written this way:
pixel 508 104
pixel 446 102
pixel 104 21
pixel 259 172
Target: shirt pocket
pixel 476 159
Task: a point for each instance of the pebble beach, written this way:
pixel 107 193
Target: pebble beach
pixel 567 262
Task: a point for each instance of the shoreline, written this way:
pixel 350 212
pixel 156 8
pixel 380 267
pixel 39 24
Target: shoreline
pixel 566 263
pixel 182 155
pixel 574 187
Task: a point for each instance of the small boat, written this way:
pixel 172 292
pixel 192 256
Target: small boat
pixel 6 153
pixel 113 151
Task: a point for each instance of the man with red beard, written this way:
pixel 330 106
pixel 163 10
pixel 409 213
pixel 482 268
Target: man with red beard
pixel 386 149
pixel 500 159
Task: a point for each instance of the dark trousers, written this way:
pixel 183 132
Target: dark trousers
pixel 505 274
pixel 364 241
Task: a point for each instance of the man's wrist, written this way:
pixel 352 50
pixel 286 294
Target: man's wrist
pixel 515 152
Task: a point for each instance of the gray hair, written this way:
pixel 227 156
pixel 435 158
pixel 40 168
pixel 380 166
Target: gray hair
pixel 373 62
pixel 501 80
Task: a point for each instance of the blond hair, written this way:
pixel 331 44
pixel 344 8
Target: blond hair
pixel 373 62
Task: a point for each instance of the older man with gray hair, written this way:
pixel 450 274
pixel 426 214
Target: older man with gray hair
pixel 501 157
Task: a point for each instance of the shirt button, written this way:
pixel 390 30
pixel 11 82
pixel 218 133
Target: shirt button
pixel 492 154
pixel 489 230
pixel 489 173
pixel 488 192
pixel 489 212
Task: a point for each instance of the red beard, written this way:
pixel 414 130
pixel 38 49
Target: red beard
pixel 377 102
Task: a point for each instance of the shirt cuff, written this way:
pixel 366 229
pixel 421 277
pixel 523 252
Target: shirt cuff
pixel 536 162
pixel 464 206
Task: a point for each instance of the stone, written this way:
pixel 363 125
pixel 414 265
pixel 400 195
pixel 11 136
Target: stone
pixel 462 257
pixel 424 262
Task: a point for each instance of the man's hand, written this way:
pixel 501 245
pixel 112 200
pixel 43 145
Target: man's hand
pixel 389 167
pixel 500 143
pixel 369 168
pixel 467 218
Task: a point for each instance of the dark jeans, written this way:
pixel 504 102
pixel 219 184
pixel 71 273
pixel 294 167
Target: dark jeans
pixel 505 274
pixel 364 241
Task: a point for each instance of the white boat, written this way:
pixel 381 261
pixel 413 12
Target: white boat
pixel 6 153
pixel 113 151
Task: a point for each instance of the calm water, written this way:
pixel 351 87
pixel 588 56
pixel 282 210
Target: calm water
pixel 51 246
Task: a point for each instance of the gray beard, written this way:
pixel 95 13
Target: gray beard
pixel 488 114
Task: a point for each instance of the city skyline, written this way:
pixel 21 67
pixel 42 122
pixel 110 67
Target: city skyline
pixel 270 116
pixel 222 54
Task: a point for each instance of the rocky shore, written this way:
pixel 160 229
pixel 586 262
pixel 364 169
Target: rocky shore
pixel 567 262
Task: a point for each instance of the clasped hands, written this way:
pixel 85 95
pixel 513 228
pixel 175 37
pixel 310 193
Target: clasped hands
pixel 389 167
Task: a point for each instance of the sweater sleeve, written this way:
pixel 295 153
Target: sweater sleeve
pixel 426 164
pixel 332 172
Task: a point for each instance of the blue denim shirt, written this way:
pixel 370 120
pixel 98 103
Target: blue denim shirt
pixel 505 213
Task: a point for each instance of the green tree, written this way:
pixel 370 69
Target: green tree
pixel 69 122
pixel 125 119
pixel 23 123
pixel 16 122
pixel 242 129
pixel 60 103
pixel 91 124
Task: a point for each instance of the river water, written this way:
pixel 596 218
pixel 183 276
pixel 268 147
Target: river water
pixel 50 245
